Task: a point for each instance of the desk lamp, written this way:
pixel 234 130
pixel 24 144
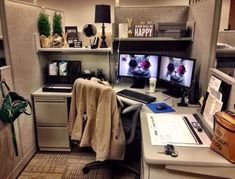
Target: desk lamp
pixel 102 15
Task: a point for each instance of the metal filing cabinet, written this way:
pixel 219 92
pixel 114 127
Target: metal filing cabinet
pixel 51 113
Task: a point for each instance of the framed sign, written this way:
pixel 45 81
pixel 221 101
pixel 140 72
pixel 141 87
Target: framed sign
pixel 72 36
pixel 144 30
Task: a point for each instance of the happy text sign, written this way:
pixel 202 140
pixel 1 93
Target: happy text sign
pixel 144 30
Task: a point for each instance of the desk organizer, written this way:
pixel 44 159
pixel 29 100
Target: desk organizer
pixel 70 73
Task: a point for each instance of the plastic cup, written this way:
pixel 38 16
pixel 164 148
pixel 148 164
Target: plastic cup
pixel 152 84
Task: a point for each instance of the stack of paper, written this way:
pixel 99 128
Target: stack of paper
pixel 214 101
pixel 175 129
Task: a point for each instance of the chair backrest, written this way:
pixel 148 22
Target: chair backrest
pixel 101 130
pixel 134 110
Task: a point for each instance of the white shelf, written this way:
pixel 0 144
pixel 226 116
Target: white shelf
pixel 74 50
pixel 68 50
pixel 153 39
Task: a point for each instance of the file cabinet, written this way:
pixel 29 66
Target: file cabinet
pixel 51 114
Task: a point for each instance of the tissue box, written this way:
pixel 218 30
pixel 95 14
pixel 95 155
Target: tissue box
pixel 223 140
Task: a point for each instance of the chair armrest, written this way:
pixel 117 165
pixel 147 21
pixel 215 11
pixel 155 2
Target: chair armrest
pixel 132 108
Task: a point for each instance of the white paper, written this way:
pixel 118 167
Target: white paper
pixel 53 69
pixel 213 105
pixel 214 83
pixel 172 129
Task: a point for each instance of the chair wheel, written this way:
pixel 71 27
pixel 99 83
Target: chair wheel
pixel 85 170
pixel 137 177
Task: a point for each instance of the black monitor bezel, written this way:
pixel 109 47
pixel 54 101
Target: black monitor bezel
pixel 139 53
pixel 171 82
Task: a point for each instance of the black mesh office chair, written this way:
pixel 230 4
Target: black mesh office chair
pixel 130 120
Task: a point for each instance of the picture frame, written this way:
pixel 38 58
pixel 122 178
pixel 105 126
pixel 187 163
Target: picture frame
pixel 72 36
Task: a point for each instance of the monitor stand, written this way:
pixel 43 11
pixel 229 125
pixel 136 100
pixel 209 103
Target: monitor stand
pixel 138 83
pixel 182 102
pixel 174 92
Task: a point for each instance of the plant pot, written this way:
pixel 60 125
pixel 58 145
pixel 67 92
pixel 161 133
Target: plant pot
pixel 60 41
pixel 46 42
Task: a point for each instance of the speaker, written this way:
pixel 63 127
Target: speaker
pixel 193 93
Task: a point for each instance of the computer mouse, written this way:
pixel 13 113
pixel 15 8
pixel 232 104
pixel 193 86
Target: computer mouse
pixel 160 107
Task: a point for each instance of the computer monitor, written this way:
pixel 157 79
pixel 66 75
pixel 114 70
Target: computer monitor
pixel 138 66
pixel 177 72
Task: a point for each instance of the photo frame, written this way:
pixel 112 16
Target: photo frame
pixel 72 36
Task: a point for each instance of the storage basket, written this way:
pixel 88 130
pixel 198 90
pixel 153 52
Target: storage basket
pixel 223 140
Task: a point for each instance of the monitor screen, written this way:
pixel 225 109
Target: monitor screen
pixel 138 65
pixel 179 71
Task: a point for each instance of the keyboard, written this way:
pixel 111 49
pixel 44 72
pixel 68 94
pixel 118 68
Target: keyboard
pixel 140 97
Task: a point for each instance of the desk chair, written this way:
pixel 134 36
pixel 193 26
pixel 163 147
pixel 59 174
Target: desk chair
pixel 130 121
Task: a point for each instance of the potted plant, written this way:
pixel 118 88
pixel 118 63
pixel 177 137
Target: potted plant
pixel 44 29
pixel 59 38
pixel 57 25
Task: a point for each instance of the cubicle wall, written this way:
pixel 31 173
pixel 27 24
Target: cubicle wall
pixel 8 160
pixel 27 70
pixel 206 14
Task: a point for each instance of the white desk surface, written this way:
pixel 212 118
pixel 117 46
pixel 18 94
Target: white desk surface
pixel 190 156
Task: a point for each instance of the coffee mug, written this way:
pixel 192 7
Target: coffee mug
pixel 152 84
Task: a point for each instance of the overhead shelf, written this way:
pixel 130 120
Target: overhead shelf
pixel 73 50
pixel 68 50
pixel 153 39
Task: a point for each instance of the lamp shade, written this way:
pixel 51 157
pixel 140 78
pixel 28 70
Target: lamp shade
pixel 102 13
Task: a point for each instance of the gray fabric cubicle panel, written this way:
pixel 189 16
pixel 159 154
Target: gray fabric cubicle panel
pixel 8 160
pixel 152 14
pixel 27 65
pixel 205 37
pixel 0 28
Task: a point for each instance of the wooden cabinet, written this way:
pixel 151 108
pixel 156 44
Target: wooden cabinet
pixel 51 114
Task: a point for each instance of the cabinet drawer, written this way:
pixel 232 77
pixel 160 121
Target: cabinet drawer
pixel 51 112
pixel 53 137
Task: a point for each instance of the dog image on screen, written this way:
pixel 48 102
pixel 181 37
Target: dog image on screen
pixel 139 65
pixel 176 70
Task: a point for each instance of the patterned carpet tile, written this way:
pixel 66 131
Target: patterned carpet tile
pixel 61 166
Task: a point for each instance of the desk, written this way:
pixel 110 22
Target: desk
pixel 192 162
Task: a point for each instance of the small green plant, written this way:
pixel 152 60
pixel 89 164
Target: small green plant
pixel 57 26
pixel 44 26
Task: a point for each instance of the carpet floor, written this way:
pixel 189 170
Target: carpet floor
pixel 59 165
